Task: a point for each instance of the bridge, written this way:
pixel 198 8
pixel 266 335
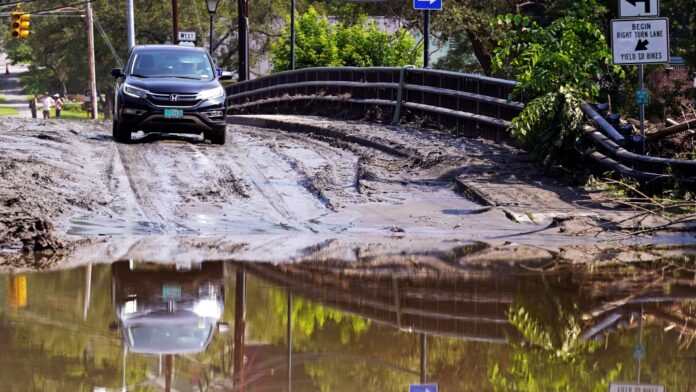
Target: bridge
pixel 462 104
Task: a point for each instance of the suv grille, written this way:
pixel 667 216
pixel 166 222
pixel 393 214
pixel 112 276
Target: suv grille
pixel 181 100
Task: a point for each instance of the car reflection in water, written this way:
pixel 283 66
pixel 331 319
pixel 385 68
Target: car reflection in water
pixel 168 309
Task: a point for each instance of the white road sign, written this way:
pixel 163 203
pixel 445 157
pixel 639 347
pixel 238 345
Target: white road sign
pixel 638 8
pixel 640 41
pixel 635 387
pixel 188 36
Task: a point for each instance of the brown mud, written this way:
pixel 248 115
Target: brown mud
pixel 280 186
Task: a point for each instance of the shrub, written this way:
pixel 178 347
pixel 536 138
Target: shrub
pixel 319 43
pixel 557 68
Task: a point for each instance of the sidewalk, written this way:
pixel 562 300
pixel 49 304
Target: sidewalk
pixel 11 87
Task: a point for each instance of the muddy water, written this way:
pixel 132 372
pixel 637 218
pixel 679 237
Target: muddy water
pixel 303 327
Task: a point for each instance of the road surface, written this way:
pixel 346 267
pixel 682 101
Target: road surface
pixel 11 87
pixel 268 193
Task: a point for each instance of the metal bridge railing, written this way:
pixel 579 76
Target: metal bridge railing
pixel 608 149
pixel 471 105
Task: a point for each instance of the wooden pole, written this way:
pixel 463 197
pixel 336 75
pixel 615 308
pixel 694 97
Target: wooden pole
pixel 175 22
pixel 92 71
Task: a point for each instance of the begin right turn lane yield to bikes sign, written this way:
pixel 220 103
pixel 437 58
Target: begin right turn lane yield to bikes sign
pixel 640 41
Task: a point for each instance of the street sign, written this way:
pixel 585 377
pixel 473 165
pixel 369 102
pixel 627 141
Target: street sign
pixel 640 41
pixel 635 387
pixel 642 98
pixel 432 5
pixel 638 8
pixel 187 36
pixel 423 388
pixel 639 350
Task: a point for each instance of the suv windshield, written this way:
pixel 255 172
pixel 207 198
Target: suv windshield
pixel 172 64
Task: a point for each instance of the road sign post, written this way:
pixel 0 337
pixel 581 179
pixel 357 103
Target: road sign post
pixel 426 6
pixel 640 42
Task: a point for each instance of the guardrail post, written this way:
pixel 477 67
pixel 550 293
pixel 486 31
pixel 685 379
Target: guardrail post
pixel 400 94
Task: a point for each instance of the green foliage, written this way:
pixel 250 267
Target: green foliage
pixel 571 51
pixel 315 44
pixel 8 111
pixel 550 126
pixel 682 18
pixel 557 68
pixel 361 44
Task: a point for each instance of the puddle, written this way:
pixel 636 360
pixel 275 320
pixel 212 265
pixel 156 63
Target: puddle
pixel 110 226
pixel 304 327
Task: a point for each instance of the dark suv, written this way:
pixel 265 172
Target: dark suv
pixel 169 88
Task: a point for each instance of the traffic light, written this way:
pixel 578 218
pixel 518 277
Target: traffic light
pixel 19 24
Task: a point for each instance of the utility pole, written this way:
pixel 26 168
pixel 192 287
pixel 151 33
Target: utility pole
pixel 243 34
pixel 92 71
pixel 131 24
pixel 175 22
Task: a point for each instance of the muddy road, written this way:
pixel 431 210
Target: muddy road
pixel 66 188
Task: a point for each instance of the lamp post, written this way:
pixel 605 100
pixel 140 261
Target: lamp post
pixel 212 8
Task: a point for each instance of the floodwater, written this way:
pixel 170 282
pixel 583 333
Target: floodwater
pixel 303 327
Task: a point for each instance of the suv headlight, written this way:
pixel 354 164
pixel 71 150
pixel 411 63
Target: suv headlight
pixel 134 91
pixel 211 94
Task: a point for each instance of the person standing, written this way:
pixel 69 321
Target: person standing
pixel 46 103
pixel 58 103
pixel 33 103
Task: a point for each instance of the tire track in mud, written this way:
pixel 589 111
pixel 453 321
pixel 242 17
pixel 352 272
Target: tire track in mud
pixel 330 174
pixel 255 183
pixel 275 182
pixel 151 186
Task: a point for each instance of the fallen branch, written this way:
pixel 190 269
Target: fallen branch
pixel 672 130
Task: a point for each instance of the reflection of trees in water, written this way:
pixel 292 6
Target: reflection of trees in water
pixel 49 344
pixel 552 319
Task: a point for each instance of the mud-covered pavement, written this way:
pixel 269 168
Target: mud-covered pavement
pixel 67 189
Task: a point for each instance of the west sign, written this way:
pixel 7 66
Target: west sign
pixel 640 41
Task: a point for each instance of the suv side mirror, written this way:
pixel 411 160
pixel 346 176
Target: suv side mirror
pixel 226 75
pixel 117 72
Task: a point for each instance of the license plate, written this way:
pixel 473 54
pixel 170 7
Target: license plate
pixel 173 113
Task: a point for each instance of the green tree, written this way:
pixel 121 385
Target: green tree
pixel 557 68
pixel 362 44
pixel 315 44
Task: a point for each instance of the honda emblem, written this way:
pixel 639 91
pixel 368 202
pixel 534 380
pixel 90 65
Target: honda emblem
pixel 174 98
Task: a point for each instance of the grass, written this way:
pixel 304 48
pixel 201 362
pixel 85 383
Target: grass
pixel 75 115
pixel 8 111
pixel 3 99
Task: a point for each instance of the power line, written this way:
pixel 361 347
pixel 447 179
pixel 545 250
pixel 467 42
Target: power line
pixel 39 12
pixel 44 11
pixel 14 3
pixel 108 41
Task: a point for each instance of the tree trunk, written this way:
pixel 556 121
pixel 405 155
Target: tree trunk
pixel 481 52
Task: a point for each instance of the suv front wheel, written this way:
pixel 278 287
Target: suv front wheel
pixel 216 135
pixel 121 133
